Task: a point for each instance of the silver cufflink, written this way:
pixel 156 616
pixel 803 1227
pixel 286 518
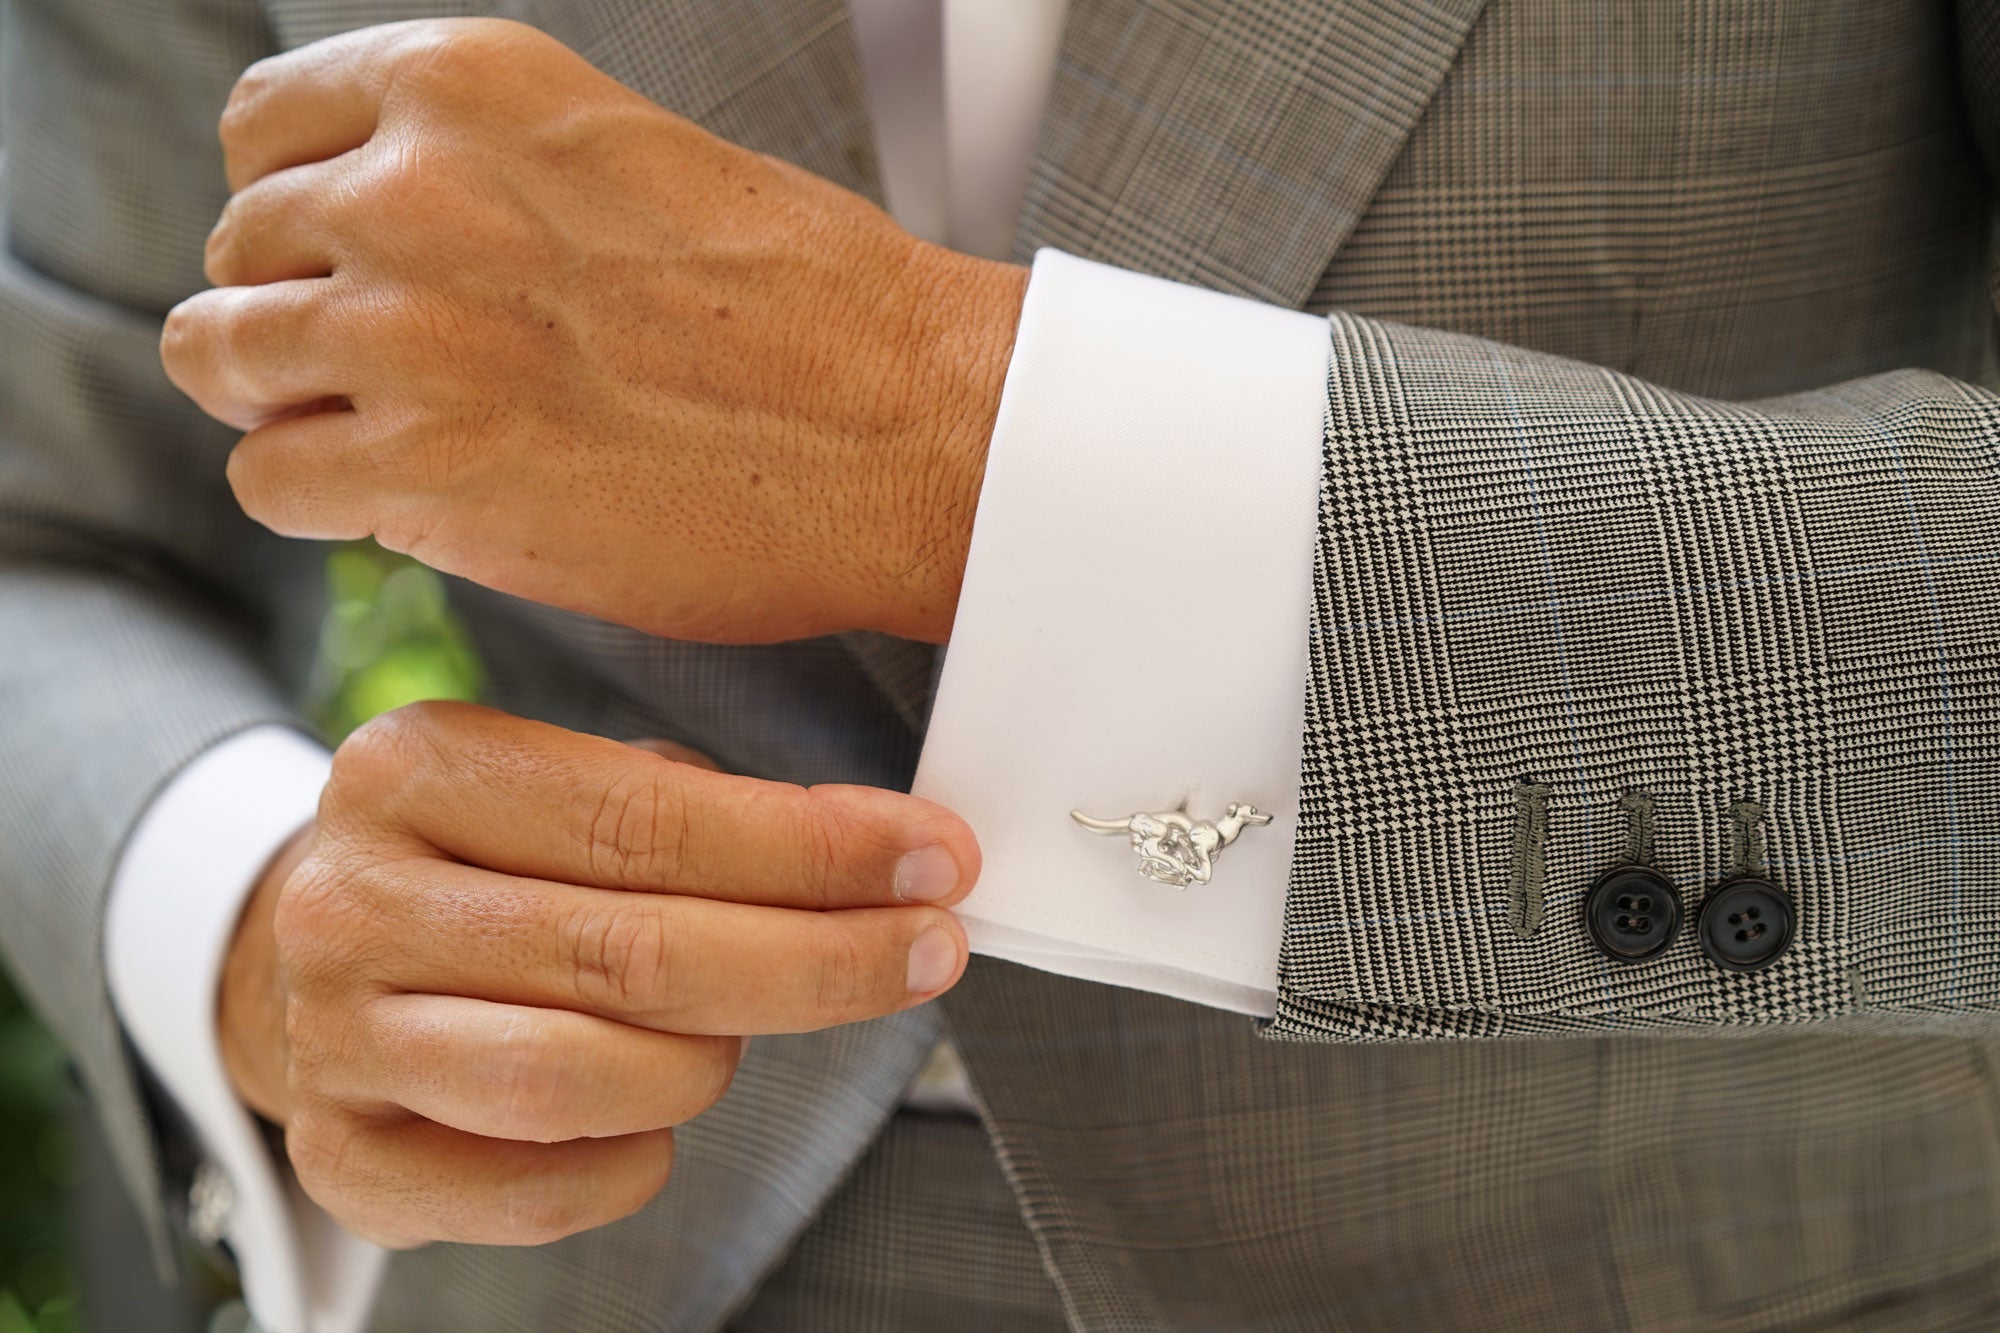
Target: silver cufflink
pixel 211 1204
pixel 1173 848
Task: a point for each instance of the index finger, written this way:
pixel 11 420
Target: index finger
pixel 524 798
pixel 327 99
pixel 303 106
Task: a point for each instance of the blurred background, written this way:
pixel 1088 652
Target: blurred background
pixel 71 1255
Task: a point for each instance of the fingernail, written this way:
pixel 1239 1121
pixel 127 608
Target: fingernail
pixel 926 875
pixel 933 958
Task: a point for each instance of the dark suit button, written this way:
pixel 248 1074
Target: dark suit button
pixel 1632 913
pixel 1745 924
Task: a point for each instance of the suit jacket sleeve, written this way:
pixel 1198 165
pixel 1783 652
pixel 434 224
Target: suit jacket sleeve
pixel 1549 595
pixel 128 647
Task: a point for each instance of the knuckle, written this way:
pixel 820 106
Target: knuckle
pixel 441 55
pixel 536 1208
pixel 374 759
pixel 382 755
pixel 183 335
pixel 509 32
pixel 533 1083
pixel 539 1209
pixel 314 911
pixel 238 324
pixel 335 935
pixel 433 49
pixel 463 39
pixel 221 253
pixel 323 1146
pixel 639 830
pixel 248 472
pixel 623 958
pixel 326 1148
pixel 539 1215
pixel 825 836
pixel 311 1057
pixel 252 87
pixel 400 727
pixel 249 217
pixel 301 1041
pixel 840 987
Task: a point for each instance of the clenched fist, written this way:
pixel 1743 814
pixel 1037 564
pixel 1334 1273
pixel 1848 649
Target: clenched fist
pixel 479 300
pixel 508 959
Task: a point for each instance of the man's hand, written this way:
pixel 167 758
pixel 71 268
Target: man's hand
pixel 509 958
pixel 484 303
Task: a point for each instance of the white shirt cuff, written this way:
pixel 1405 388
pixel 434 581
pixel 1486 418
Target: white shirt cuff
pixel 179 888
pixel 1132 631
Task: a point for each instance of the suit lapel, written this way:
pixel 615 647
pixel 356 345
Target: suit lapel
pixel 1230 145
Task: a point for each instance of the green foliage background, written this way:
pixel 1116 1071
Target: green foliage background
pixel 388 639
pixel 37 1281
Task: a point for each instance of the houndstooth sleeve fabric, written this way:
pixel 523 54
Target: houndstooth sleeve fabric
pixel 1543 588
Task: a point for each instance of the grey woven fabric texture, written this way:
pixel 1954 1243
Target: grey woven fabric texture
pixel 1706 517
pixel 924 1235
pixel 1842 668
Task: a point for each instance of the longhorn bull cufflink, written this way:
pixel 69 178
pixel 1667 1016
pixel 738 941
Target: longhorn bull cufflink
pixel 1173 848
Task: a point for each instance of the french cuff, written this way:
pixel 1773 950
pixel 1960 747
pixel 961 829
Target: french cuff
pixel 1131 634
pixel 179 887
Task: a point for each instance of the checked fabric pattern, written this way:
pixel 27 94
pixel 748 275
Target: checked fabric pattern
pixel 1534 568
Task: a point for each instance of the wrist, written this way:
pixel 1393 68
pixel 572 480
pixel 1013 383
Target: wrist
pixel 250 1007
pixel 970 310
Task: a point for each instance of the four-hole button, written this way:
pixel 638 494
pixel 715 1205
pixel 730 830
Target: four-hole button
pixel 1632 913
pixel 1745 924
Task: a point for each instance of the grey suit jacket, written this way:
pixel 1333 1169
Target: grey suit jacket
pixel 1669 478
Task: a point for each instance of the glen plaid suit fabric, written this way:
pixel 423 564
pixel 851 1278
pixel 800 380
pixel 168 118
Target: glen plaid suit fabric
pixel 1530 567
